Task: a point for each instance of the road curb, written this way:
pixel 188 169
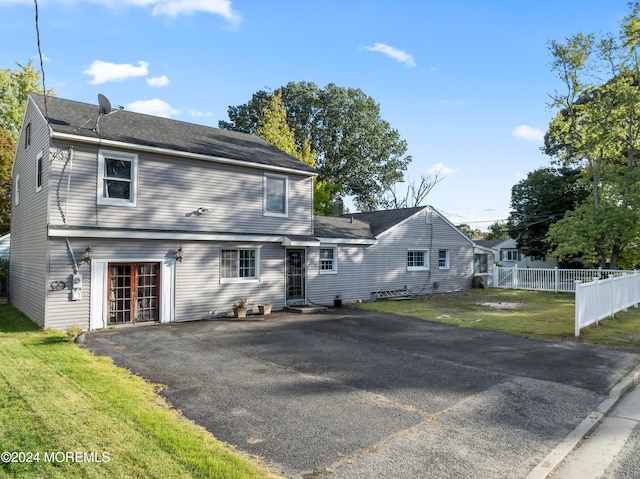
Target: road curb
pixel 562 450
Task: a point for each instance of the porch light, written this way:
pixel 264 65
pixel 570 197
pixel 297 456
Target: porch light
pixel 86 257
pixel 179 255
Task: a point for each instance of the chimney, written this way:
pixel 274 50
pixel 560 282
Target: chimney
pixel 338 207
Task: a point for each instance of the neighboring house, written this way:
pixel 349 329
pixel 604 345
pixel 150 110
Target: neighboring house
pixel 120 218
pixel 507 254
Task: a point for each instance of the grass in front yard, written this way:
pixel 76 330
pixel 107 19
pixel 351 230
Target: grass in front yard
pixel 58 398
pixel 534 314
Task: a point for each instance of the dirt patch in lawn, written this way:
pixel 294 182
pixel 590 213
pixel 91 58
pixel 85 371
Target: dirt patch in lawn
pixel 501 305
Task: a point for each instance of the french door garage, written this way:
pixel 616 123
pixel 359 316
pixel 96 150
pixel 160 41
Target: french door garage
pixel 133 292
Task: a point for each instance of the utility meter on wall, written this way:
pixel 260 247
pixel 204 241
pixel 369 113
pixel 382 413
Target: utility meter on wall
pixel 76 292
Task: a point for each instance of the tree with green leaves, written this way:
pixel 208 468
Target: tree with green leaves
pixel 354 147
pixel 7 153
pixel 497 231
pixel 597 130
pixel 273 128
pixel 540 200
pixel 15 86
pixel 474 234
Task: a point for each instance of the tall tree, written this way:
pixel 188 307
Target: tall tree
pixel 7 153
pixel 598 131
pixel 415 192
pixel 355 148
pixel 273 127
pixel 540 200
pixel 15 86
pixel 497 231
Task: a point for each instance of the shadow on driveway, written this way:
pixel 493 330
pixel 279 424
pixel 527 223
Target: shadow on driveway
pixel 354 393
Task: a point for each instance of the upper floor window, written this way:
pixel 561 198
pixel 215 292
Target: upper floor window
pixel 444 259
pixel 328 259
pixel 39 167
pixel 276 195
pixel 27 136
pixel 417 260
pixel 117 178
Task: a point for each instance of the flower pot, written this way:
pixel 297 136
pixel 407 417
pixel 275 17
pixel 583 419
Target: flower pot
pixel 240 312
pixel 337 303
pixel 264 309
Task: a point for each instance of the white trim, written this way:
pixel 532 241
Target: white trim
pixel 61 232
pixel 265 211
pixel 117 155
pixel 238 279
pixel 447 259
pixel 98 299
pixel 351 241
pixel 334 263
pixel 16 190
pixel 182 154
pixel 426 259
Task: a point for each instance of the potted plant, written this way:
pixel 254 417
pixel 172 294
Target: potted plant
pixel 264 309
pixel 240 308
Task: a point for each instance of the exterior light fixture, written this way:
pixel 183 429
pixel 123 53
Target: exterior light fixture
pixel 86 257
pixel 179 255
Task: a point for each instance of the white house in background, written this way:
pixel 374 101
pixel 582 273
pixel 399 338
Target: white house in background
pixel 508 255
pixel 120 217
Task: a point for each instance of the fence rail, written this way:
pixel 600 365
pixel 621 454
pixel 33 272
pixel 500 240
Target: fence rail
pixel 601 299
pixel 599 293
pixel 548 279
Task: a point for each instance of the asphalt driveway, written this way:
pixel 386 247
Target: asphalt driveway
pixel 359 394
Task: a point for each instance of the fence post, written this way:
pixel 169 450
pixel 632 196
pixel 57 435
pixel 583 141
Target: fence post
pixel 577 308
pixel 515 276
pixel 556 274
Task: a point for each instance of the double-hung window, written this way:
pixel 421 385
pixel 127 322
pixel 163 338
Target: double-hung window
pixel 39 167
pixel 444 259
pixel 328 259
pixel 417 260
pixel 480 263
pixel 117 178
pixel 242 264
pixel 276 201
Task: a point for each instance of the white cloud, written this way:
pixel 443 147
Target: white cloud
pixel 158 81
pixel 441 170
pixel 528 133
pixel 103 72
pixel 199 114
pixel 398 55
pixel 173 8
pixel 154 107
pixel 453 102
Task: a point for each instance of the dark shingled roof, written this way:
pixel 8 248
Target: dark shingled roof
pixel 341 227
pixel 381 221
pixel 72 117
pixel 361 225
pixel 488 243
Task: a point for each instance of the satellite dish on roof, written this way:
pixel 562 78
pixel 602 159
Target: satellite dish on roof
pixel 105 104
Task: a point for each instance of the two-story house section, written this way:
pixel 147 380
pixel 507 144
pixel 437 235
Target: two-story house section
pixel 120 217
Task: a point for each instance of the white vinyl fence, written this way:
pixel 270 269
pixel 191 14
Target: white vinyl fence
pixel 601 299
pixel 599 293
pixel 548 279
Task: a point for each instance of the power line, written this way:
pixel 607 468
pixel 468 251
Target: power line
pixel 44 88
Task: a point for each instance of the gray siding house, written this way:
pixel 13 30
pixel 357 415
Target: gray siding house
pixel 120 217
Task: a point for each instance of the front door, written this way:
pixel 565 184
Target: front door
pixel 296 276
pixel 133 292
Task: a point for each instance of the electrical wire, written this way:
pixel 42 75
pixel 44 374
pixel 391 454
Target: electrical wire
pixel 44 88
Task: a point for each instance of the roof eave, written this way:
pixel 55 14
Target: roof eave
pixel 182 154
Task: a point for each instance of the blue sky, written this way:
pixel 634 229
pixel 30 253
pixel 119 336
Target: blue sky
pixel 465 83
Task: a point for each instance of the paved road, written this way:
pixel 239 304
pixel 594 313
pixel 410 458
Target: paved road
pixel 356 394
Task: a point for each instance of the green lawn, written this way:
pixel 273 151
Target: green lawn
pixel 531 314
pixel 75 415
